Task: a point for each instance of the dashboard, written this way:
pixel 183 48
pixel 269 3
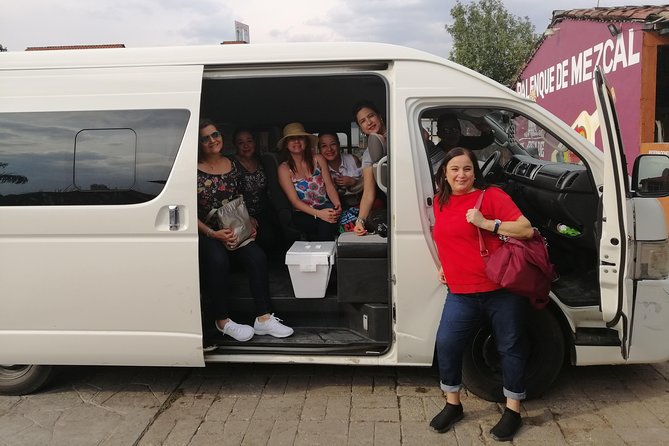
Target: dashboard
pixel 551 194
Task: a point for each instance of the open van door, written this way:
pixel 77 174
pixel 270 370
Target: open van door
pixel 615 280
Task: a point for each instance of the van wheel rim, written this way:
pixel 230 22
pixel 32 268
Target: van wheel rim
pixel 489 356
pixel 14 371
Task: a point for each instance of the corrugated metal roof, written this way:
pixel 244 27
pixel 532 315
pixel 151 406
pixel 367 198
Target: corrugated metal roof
pixel 75 47
pixel 646 13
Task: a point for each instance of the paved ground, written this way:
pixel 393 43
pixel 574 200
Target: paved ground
pixel 320 405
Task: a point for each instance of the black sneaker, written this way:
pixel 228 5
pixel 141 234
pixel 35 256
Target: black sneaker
pixel 449 415
pixel 507 426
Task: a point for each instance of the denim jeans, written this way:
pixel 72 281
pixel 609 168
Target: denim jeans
pixel 463 315
pixel 215 273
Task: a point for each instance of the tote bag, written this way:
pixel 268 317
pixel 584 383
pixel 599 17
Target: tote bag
pixel 234 215
pixel 520 266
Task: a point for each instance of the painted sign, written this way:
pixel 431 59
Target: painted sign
pixel 559 76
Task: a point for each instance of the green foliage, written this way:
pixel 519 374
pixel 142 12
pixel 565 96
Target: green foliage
pixel 490 40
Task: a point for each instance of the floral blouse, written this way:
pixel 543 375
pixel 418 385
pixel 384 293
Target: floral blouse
pixel 212 189
pixel 253 186
pixel 311 190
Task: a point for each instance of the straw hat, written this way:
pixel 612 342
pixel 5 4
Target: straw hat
pixel 297 129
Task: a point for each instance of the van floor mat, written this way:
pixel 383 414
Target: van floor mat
pixel 313 340
pixel 578 289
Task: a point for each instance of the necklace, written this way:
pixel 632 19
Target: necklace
pixel 214 167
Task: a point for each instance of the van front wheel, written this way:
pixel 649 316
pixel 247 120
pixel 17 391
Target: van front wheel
pixel 22 379
pixel 481 367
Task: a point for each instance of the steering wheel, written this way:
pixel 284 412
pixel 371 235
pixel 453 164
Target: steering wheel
pixel 490 163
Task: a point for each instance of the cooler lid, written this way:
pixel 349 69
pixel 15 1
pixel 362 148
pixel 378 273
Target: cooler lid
pixel 319 253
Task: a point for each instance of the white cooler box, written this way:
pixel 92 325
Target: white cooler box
pixel 310 265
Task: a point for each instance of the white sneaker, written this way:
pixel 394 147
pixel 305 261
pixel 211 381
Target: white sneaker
pixel 272 327
pixel 236 331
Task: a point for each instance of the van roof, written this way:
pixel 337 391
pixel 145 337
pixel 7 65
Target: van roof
pixel 216 54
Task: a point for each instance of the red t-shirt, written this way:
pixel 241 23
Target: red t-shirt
pixel 458 243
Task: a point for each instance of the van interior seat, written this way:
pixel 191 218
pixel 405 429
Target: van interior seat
pixel 362 268
pixel 350 245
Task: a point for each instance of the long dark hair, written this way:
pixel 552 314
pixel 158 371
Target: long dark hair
pixel 308 155
pixel 445 191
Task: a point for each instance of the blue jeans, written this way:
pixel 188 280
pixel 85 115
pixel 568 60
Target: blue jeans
pixel 463 315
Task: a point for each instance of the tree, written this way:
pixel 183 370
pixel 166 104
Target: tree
pixel 2 48
pixel 490 40
pixel 11 178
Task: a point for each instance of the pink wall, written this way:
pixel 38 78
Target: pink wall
pixel 560 76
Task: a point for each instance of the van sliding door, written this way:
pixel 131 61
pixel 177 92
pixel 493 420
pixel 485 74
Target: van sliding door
pixel 98 234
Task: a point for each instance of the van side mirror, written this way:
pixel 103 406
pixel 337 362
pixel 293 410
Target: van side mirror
pixel 650 177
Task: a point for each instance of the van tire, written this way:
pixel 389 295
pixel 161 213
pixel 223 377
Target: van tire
pixel 23 379
pixel 481 370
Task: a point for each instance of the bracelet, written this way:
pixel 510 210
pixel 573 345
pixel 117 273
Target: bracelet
pixel 316 214
pixel 360 220
pixel 209 232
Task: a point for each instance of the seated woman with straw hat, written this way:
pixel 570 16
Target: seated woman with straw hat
pixel 306 181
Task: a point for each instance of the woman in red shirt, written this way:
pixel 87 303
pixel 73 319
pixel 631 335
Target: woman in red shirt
pixel 472 298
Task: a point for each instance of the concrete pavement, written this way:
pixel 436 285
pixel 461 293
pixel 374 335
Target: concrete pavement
pixel 251 404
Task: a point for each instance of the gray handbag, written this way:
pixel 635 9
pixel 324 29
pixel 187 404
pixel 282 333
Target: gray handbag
pixel 233 215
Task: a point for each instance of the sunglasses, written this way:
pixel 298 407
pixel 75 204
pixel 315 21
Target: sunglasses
pixel 213 135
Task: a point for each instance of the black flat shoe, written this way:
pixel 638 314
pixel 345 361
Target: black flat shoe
pixel 507 426
pixel 448 416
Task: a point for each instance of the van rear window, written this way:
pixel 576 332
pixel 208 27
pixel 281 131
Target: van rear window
pixel 87 157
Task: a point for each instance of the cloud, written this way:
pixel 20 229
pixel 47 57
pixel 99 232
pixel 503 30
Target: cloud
pixel 414 23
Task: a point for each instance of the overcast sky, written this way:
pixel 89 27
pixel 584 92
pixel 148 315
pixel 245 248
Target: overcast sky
pixel 136 23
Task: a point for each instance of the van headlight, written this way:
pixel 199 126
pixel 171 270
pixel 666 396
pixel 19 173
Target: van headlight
pixel 652 260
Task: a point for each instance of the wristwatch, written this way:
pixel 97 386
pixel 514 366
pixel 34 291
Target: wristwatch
pixel 496 227
pixel 360 220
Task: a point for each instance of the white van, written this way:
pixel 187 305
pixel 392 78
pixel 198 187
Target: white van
pixel 98 233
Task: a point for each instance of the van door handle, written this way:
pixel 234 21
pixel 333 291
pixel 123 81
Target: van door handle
pixel 174 217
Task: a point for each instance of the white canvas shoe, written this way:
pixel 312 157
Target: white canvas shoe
pixel 272 327
pixel 238 332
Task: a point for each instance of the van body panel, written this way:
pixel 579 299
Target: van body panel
pixel 104 284
pixel 651 322
pixel 648 229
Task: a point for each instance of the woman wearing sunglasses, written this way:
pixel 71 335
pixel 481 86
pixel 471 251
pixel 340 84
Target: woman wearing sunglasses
pixel 218 180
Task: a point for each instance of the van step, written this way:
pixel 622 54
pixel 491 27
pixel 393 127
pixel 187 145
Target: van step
pixel 312 340
pixel 597 336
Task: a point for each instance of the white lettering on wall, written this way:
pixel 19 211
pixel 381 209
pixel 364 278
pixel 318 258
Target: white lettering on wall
pixel 612 55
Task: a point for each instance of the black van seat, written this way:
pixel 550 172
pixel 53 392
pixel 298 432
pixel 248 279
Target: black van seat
pixel 350 245
pixel 362 268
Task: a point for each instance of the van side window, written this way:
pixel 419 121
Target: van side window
pixel 105 159
pixel 87 158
